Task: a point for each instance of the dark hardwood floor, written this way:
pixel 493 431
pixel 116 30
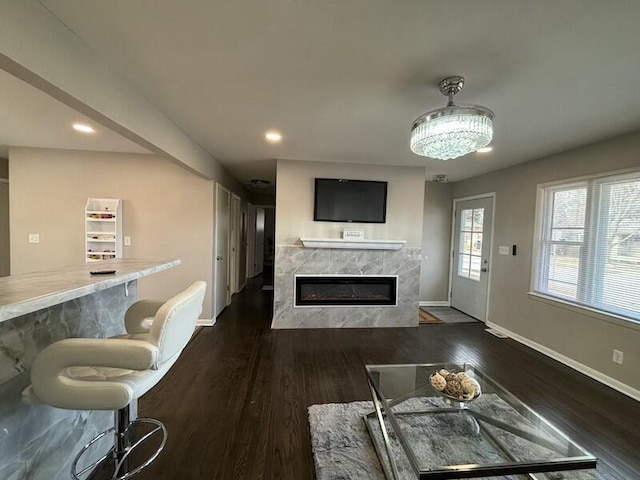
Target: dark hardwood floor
pixel 235 404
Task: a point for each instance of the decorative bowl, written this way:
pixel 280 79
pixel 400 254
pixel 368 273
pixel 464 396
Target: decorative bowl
pixel 459 387
pixel 456 399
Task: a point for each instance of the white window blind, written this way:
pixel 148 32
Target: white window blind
pixel 589 244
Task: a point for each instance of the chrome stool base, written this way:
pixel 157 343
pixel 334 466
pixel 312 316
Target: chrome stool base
pixel 123 446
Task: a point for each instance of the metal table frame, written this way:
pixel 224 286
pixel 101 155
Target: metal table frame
pixel 575 458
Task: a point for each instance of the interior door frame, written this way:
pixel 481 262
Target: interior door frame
pixel 251 241
pixel 234 244
pixel 215 253
pixel 242 246
pixel 5 233
pixel 491 195
pixel 259 245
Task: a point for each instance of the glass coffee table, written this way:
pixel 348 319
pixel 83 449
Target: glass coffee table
pixel 420 433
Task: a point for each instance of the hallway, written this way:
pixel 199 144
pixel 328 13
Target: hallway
pixel 235 403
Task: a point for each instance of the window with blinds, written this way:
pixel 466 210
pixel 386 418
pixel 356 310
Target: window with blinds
pixel 589 243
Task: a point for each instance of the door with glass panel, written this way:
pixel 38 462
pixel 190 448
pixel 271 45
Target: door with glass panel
pixel 471 250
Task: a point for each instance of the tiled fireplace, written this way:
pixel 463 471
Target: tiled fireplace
pixel 344 288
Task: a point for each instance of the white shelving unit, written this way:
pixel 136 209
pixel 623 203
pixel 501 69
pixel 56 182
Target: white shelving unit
pixel 103 229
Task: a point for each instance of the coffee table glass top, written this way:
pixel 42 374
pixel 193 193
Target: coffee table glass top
pixel 495 434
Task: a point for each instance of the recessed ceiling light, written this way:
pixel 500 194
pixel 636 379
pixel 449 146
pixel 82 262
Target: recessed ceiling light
pixel 484 150
pixel 81 127
pixel 273 136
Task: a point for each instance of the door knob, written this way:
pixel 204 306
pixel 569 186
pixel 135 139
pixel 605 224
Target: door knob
pixel 484 269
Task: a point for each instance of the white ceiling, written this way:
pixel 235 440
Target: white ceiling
pixel 31 118
pixel 343 80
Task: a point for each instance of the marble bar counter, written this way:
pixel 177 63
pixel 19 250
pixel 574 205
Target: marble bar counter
pixel 36 309
pixel 29 292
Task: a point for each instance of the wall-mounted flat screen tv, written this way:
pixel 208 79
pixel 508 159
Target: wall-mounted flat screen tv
pixel 356 201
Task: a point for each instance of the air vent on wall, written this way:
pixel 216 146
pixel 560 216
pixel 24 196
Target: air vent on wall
pixel 440 179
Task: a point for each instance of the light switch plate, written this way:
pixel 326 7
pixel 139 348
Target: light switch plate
pixel 502 250
pixel 34 238
pixel 127 241
pixel 618 357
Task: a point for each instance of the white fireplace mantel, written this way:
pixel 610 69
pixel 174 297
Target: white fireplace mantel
pixel 353 244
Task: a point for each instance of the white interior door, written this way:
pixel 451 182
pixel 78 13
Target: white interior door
pixel 223 206
pixel 259 254
pixel 234 235
pixel 471 256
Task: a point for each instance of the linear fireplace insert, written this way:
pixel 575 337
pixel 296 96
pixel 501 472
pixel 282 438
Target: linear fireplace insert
pixel 346 290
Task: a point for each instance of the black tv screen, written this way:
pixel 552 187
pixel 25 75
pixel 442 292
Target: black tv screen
pixel 357 201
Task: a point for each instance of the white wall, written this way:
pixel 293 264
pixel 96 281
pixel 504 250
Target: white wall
pixel 294 201
pixel 584 338
pixel 167 212
pixel 436 242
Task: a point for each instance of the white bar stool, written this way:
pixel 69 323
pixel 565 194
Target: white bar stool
pixel 112 373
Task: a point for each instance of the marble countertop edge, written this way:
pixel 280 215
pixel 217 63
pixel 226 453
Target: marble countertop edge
pixel 26 293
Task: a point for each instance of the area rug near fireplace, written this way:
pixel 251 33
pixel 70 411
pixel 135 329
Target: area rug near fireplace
pixel 342 448
pixel 425 317
pixel 449 315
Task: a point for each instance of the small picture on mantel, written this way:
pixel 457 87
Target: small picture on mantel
pixel 353 234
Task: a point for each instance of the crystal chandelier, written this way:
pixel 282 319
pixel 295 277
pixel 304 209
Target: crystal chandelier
pixel 454 130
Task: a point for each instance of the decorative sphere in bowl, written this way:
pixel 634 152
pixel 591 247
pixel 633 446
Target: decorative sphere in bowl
pixel 460 386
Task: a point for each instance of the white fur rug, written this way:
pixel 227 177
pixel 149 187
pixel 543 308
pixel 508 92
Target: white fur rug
pixel 342 448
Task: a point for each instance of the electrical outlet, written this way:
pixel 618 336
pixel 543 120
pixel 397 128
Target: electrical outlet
pixel 34 238
pixel 127 241
pixel 618 357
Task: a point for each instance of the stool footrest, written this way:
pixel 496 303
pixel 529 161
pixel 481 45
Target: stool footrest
pixel 120 459
pixel 74 466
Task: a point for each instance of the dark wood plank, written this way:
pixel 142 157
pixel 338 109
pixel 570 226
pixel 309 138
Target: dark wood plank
pixel 235 404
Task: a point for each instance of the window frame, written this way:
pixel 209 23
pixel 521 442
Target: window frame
pixel 590 277
pixel 460 249
pixel 546 239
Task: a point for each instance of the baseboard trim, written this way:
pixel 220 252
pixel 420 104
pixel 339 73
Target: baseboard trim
pixel 434 303
pixel 569 362
pixel 206 322
pixel 241 287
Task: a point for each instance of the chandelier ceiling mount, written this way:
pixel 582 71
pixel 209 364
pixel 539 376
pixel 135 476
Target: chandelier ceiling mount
pixel 451 86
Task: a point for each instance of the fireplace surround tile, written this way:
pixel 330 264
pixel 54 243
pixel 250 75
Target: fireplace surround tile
pixel 298 259
pixel 356 262
pixel 283 301
pixel 291 260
